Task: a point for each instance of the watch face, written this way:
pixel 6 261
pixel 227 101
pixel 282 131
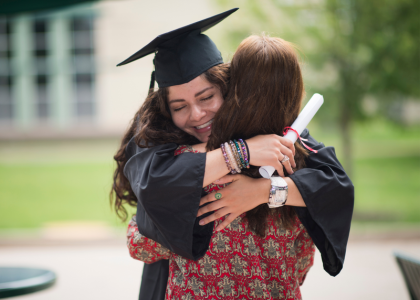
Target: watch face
pixel 281 196
pixel 278 196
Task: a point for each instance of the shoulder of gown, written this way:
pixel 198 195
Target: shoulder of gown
pixel 168 189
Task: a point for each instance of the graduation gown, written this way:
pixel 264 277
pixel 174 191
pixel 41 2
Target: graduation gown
pixel 169 189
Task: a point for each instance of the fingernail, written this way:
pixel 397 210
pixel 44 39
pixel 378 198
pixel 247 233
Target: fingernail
pixel 217 228
pixel 201 222
pixel 217 180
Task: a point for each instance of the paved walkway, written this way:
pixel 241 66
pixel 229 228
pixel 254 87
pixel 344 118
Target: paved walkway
pixel 370 272
pixel 107 272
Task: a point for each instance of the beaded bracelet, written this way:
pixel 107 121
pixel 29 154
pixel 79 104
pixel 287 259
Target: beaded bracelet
pixel 240 154
pixel 231 158
pixel 235 154
pixel 235 161
pixel 247 149
pixel 227 159
pixel 245 152
pixel 231 170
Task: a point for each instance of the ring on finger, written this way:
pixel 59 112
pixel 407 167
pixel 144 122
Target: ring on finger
pixel 285 158
pixel 218 196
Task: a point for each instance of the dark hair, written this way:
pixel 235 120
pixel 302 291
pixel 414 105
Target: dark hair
pixel 265 95
pixel 152 125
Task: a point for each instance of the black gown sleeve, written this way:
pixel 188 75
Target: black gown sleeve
pixel 168 189
pixel 154 280
pixel 329 197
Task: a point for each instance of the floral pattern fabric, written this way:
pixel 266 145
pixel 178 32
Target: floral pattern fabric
pixel 142 248
pixel 238 264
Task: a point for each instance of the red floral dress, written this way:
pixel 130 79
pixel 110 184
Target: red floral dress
pixel 238 264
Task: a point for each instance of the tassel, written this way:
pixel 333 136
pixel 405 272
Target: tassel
pixel 152 83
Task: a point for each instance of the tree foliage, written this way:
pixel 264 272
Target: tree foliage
pixel 354 49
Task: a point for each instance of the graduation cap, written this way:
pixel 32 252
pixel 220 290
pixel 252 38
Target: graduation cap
pixel 182 54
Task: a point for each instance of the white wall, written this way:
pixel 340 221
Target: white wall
pixel 122 28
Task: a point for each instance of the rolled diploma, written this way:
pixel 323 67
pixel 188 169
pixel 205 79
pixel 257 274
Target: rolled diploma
pixel 305 116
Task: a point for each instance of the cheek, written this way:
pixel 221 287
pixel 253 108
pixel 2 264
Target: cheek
pixel 179 120
pixel 217 104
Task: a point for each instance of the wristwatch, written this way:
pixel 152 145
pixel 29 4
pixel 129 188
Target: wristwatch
pixel 278 192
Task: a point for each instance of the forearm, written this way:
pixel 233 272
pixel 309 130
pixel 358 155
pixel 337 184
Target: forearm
pixel 294 197
pixel 216 167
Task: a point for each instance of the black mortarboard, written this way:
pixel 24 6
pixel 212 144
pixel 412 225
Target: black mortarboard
pixel 184 53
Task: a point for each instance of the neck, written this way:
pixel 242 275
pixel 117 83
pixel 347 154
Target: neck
pixel 200 147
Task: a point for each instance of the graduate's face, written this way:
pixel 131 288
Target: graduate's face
pixel 193 106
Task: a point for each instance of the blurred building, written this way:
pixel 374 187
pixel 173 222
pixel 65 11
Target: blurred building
pixel 58 74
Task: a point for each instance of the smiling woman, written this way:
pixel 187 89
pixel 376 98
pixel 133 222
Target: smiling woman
pixel 193 106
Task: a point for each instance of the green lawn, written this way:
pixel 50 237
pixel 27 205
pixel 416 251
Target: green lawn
pixel 34 194
pixel 386 169
pixel 387 189
pixel 43 182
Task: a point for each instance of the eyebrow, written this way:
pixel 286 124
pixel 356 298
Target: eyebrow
pixel 196 95
pixel 199 93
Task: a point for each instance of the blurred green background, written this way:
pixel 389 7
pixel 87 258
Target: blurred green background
pixel 363 56
pixel 68 180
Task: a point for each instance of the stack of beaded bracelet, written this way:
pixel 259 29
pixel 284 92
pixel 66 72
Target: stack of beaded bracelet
pixel 236 155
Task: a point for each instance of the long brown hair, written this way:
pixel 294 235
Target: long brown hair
pixel 265 95
pixel 152 125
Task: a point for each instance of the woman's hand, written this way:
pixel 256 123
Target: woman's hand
pixel 242 195
pixel 269 150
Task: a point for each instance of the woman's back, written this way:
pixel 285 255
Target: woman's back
pixel 239 264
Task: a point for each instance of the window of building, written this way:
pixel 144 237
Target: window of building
pixel 83 67
pixel 6 99
pixel 41 71
pixel 47 69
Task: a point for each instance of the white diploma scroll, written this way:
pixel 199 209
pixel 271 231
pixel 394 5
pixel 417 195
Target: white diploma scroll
pixel 305 116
